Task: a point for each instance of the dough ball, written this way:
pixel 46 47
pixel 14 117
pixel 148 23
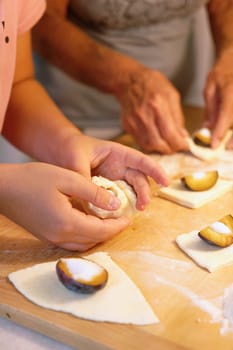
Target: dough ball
pixel 122 191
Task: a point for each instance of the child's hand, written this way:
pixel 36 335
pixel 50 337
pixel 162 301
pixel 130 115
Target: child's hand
pixel 112 160
pixel 38 196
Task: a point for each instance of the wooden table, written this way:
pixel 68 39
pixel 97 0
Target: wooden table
pixel 148 253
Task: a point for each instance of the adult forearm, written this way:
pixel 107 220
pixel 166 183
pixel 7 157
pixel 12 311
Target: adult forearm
pixel 34 124
pixel 221 20
pixel 81 57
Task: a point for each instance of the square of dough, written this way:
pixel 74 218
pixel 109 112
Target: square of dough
pixel 178 193
pixel 120 301
pixel 205 255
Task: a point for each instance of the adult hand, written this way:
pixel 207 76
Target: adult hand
pixel 218 97
pixel 38 196
pixel 90 156
pixel 151 112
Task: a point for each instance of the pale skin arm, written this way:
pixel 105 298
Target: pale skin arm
pixel 150 105
pixel 219 86
pixel 38 195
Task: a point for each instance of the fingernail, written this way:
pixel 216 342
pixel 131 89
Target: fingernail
pixel 114 202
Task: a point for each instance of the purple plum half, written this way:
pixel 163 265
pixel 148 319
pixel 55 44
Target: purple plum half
pixel 81 275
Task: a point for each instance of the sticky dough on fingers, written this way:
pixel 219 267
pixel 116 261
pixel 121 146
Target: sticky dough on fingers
pixel 122 191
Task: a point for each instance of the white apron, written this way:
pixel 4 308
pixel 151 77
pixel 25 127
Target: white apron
pixel 158 33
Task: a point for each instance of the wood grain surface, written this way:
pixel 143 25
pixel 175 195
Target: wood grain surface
pixel 148 253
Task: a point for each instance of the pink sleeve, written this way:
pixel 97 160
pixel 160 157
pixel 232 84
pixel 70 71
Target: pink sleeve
pixel 30 13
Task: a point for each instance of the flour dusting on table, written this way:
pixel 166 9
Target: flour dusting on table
pixel 154 270
pixel 227 307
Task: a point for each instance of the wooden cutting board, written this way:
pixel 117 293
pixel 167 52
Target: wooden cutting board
pixel 148 253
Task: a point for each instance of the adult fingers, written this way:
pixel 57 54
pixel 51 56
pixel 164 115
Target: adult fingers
pixel 145 132
pixel 230 144
pixel 211 103
pixel 170 129
pixel 224 118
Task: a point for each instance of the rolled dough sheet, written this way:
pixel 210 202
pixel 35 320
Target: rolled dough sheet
pixel 120 301
pixel 204 254
pixel 209 154
pixel 176 192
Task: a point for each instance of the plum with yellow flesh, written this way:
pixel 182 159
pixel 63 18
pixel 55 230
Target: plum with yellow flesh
pixel 202 137
pixel 81 275
pixel 219 233
pixel 200 181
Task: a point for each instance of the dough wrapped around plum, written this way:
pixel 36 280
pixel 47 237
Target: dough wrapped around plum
pixel 200 145
pixel 122 191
